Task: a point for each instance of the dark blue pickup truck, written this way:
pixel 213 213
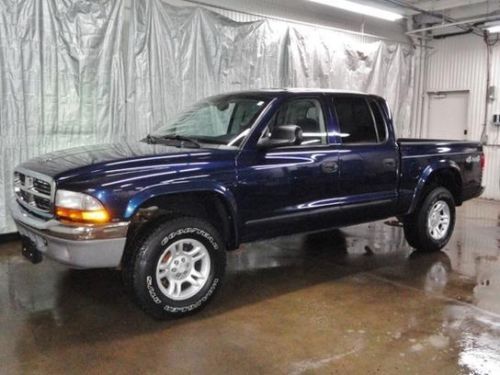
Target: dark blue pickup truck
pixel 235 168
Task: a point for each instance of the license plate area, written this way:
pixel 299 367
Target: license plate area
pixel 30 251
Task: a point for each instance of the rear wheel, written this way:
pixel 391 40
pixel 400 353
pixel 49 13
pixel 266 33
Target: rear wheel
pixel 430 227
pixel 176 268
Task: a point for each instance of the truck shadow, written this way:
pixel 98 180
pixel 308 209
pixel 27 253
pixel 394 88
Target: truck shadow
pixel 92 306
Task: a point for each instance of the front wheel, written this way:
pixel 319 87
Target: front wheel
pixel 177 268
pixel 431 226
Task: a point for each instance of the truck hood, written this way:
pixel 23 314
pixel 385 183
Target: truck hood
pixel 67 163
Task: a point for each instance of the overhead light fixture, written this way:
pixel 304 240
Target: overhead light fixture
pixel 366 10
pixel 493 27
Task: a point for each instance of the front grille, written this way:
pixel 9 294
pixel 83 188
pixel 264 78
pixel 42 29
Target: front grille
pixel 34 193
pixel 42 186
pixel 42 203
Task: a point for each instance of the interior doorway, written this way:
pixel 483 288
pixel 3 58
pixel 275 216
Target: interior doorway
pixel 448 115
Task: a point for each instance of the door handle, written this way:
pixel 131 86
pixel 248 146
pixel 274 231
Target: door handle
pixel 329 166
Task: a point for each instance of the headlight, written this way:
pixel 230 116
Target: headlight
pixel 80 207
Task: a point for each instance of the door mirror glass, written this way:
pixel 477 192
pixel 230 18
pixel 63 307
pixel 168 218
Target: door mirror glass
pixel 283 135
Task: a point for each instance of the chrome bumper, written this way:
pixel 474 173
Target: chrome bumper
pixel 75 245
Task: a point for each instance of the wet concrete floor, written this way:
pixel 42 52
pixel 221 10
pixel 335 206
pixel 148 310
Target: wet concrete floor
pixel 356 300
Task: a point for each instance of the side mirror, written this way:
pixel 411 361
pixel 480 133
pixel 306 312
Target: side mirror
pixel 283 135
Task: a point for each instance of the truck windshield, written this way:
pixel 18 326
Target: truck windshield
pixel 223 120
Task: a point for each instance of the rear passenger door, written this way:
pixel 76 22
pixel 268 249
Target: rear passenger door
pixel 368 158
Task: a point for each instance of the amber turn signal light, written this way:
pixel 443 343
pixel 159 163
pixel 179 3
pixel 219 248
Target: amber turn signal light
pixel 95 216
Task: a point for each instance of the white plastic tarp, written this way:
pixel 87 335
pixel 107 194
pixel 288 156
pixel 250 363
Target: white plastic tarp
pixel 77 73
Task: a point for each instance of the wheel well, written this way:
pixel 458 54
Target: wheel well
pixel 449 179
pixel 209 206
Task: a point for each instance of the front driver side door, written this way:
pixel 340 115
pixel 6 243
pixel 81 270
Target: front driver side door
pixel 293 188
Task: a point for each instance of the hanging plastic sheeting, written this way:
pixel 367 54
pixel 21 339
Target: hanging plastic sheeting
pixel 182 55
pixel 77 73
pixel 206 53
pixel 61 81
pixel 331 59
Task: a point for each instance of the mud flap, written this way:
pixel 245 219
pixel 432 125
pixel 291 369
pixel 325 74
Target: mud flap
pixel 30 251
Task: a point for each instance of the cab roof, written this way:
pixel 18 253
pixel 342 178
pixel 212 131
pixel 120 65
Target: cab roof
pixel 296 90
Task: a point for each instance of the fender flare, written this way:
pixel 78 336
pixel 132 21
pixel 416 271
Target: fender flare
pixel 427 174
pixel 156 191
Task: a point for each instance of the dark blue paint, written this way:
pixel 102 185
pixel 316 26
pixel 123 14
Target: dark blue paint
pixel 271 192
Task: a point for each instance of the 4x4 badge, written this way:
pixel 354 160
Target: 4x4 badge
pixel 473 159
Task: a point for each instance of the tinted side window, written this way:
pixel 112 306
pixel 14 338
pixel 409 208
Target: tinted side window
pixel 355 120
pixel 379 120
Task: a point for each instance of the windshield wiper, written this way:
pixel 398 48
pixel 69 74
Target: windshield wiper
pixel 152 139
pixel 181 139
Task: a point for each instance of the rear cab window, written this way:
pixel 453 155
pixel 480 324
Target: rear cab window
pixel 360 120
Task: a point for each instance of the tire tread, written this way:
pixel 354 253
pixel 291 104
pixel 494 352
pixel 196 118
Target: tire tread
pixel 415 224
pixel 138 249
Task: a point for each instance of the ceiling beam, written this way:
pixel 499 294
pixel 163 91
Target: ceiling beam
pixel 446 25
pixel 439 16
pixel 433 5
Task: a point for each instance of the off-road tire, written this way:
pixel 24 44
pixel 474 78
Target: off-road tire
pixel 140 266
pixel 416 228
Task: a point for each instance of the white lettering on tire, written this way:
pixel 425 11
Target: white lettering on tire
pixel 151 290
pixel 190 231
pixel 196 304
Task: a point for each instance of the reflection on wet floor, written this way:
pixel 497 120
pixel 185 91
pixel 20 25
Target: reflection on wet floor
pixel 351 301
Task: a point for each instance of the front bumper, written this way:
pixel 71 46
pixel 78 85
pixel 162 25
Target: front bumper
pixel 75 245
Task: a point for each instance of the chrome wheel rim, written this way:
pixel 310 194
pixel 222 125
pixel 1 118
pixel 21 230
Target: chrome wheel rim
pixel 183 269
pixel 438 221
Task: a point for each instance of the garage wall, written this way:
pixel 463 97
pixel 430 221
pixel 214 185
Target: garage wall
pixel 220 55
pixel 76 73
pixel 307 12
pixel 61 81
pixel 460 63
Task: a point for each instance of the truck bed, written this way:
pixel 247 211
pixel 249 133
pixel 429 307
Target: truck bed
pixel 426 140
pixel 420 157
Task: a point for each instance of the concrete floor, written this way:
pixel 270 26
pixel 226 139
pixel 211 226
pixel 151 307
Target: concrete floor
pixel 355 300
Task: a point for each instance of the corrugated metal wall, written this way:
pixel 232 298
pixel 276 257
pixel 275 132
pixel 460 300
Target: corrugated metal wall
pixel 492 173
pixel 460 63
pixel 494 134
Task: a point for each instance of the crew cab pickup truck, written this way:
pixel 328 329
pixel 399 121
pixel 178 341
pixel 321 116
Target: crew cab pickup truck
pixel 235 168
